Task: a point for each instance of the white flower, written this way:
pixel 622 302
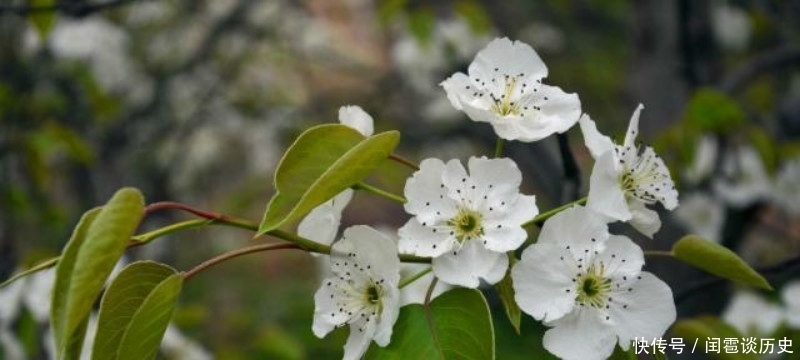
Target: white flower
pixel 355 117
pixel 702 214
pixel 751 314
pixel 504 89
pixel 786 187
pixel 791 299
pixel 466 222
pixel 363 291
pixel 625 178
pixel 322 223
pixel 705 158
pixel 745 180
pixel 588 286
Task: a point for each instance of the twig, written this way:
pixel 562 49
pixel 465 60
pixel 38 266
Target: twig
pixel 234 254
pixel 408 163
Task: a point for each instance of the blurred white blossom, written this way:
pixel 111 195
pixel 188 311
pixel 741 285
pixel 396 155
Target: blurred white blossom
pixel 752 314
pixel 702 214
pixel 785 190
pixel 744 180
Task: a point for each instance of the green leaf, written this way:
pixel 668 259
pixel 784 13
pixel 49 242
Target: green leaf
pixel 620 354
pixel 36 268
pixel 712 110
pixel 699 330
pixel 43 21
pixel 322 162
pixel 718 260
pixel 125 297
pixel 143 336
pixel 96 245
pixel 462 325
pixel 505 289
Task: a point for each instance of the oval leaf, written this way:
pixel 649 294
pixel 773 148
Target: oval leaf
pixel 461 322
pixel 322 162
pixel 718 260
pixel 146 328
pixel 121 301
pixel 96 245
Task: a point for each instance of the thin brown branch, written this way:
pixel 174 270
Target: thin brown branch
pixel 234 254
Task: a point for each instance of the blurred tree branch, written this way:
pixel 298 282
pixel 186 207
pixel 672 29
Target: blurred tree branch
pixel 765 62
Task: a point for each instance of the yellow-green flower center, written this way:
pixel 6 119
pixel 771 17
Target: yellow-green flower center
pixel 593 287
pixel 466 225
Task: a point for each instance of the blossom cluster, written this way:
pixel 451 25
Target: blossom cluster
pixel 579 279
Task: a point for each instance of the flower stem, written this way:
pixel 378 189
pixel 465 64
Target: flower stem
pixel 234 254
pixel 376 191
pixel 498 148
pixel 658 253
pixel 408 163
pixel 541 218
pixel 415 277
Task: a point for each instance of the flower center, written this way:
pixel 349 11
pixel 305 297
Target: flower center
pixel 592 287
pixel 466 225
pixel 643 179
pixel 373 294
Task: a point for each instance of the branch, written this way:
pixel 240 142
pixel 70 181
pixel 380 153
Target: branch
pixel 768 61
pixel 234 254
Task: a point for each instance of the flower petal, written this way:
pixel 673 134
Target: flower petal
pixel 426 195
pixel 622 259
pixel 645 310
pixel 322 223
pixel 499 176
pixel 644 219
pixel 508 57
pixel 326 311
pixel 468 265
pixel 543 285
pixel 597 143
pixel 356 118
pixel 421 240
pixel 371 249
pixel 580 336
pixel 605 192
pixel 391 309
pixel 459 89
pixel 633 128
pixel 577 229
pixel 360 336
